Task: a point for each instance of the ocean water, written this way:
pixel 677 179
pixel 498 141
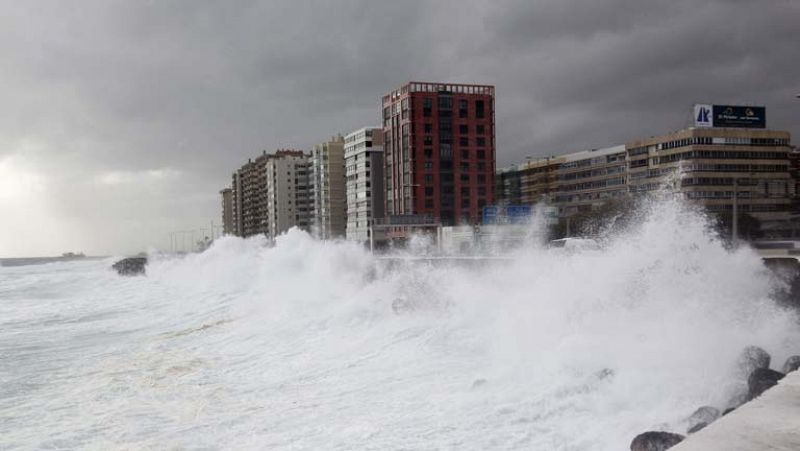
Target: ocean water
pixel 311 345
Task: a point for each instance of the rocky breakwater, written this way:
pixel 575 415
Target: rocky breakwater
pixel 754 366
pixel 131 266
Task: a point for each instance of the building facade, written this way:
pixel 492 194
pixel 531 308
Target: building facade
pixel 248 198
pixel 227 211
pixel 329 191
pixel 584 180
pixel 439 151
pixel 288 196
pixel 363 153
pixel 269 195
pixel 714 166
pixel 728 157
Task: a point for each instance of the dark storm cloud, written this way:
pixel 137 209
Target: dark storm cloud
pixel 121 120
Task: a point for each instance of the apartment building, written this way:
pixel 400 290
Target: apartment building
pixel 248 198
pixel 329 191
pixel 287 192
pixel 363 153
pixel 439 151
pixel 270 194
pixel 226 195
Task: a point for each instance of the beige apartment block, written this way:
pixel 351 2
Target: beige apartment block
pixel 287 192
pixel 329 189
pixel 227 211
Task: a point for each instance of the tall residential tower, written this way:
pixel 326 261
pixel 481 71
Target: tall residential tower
pixel 439 151
pixel 363 152
pixel 328 186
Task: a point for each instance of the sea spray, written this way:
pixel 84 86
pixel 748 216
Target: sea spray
pixel 248 345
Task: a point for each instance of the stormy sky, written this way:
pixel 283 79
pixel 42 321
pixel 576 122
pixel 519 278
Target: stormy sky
pixel 121 120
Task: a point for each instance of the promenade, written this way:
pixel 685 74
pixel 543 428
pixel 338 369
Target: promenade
pixel 769 422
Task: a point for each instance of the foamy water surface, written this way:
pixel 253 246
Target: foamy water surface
pixel 297 346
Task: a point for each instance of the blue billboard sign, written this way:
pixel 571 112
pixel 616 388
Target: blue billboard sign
pixel 511 214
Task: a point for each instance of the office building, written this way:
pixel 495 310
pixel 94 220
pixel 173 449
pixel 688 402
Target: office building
pixel 715 166
pixel 363 153
pixel 572 182
pixel 439 151
pixel 728 156
pixel 588 179
pixel 329 191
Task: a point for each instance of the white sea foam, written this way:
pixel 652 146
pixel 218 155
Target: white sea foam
pixel 298 345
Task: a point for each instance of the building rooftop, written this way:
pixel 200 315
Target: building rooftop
pixel 424 86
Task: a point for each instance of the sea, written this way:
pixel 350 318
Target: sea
pixel 322 345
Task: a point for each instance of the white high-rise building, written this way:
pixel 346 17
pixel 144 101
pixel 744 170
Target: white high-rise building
pixel 328 187
pixel 288 192
pixel 363 152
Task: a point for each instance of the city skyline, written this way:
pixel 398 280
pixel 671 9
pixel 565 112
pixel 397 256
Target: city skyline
pixel 110 142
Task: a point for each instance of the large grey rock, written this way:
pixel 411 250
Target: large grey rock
pixel 792 364
pixel 131 266
pixel 760 380
pixel 702 416
pixel 752 358
pixel 655 441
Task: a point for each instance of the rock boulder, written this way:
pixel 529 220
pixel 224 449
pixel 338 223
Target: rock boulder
pixel 655 441
pixel 752 358
pixel 792 364
pixel 760 380
pixel 703 416
pixel 131 266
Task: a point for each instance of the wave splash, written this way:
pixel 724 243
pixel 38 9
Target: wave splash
pixel 320 345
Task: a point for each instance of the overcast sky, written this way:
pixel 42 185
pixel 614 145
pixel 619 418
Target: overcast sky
pixel 121 120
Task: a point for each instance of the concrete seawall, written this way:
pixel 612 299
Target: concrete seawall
pixel 769 422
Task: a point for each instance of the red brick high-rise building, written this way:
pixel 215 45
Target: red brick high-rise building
pixel 439 150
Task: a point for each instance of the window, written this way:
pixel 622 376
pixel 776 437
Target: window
pixel 481 178
pixel 428 178
pixel 463 141
pixel 429 203
pixel 479 111
pixel 429 191
pixel 427 140
pixel 445 103
pixel 481 154
pixel 428 128
pixel 481 190
pixel 463 129
pixel 427 107
pixel 428 152
pixel 428 166
pixel 465 154
pixel 462 108
pixel 480 129
pixel 481 141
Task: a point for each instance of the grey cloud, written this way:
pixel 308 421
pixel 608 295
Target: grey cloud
pixel 198 86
